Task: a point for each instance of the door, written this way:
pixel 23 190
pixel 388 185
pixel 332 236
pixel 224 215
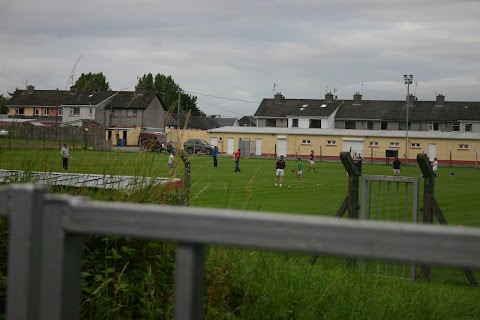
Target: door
pixel 258 147
pixel 230 144
pixel 353 146
pixel 432 151
pixel 282 147
pixel 213 141
pixel 244 146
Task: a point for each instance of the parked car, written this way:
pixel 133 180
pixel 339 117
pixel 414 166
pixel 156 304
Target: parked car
pixel 155 141
pixel 197 146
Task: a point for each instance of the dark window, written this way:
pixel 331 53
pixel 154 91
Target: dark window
pixel 271 123
pixel 294 122
pixel 456 127
pixel 384 125
pixel 401 125
pixel 315 123
pixel 468 127
pixel 369 125
pixel 351 124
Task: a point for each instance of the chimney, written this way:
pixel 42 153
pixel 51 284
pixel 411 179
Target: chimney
pixel 440 100
pixel 73 90
pixel 410 100
pixel 140 91
pixel 357 99
pixel 328 97
pixel 30 89
pixel 278 98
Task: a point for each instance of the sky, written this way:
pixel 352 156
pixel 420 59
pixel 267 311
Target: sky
pixel 232 54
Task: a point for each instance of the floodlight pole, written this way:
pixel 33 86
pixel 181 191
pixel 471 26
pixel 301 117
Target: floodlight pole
pixel 408 81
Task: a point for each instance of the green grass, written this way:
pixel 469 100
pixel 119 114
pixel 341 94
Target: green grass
pixel 247 284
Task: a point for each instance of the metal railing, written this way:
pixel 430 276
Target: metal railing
pixel 44 261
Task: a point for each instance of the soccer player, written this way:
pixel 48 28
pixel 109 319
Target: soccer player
pixel 312 162
pixel 279 171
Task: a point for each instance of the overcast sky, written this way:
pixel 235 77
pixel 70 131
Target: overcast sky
pixel 238 50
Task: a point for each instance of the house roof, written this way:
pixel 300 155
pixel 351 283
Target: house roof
pixel 85 98
pixel 132 100
pixel 296 107
pixel 194 122
pixel 247 121
pixel 40 98
pixel 345 133
pixel 223 122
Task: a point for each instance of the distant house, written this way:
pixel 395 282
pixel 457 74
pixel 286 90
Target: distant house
pixel 40 105
pixel 247 121
pixel 188 121
pixel 358 114
pixel 227 122
pixel 297 113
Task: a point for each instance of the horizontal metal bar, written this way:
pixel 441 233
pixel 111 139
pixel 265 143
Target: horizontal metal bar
pixel 389 178
pixel 433 244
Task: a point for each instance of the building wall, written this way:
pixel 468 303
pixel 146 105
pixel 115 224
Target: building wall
pixel 373 147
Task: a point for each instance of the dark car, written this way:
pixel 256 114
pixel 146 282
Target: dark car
pixel 197 146
pixel 155 141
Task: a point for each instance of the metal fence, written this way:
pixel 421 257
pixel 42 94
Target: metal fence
pixel 44 261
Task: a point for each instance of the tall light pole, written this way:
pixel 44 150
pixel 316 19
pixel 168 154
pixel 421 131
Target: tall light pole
pixel 408 82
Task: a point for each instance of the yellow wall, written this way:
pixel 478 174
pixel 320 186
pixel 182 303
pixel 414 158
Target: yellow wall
pixel 446 149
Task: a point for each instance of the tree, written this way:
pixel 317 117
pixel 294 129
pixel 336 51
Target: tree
pixel 92 82
pixel 3 106
pixel 167 89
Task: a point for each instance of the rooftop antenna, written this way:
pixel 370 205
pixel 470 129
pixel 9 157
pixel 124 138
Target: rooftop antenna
pixel 71 79
pixel 361 90
pixel 416 84
pixel 274 86
pixel 326 90
pixel 26 83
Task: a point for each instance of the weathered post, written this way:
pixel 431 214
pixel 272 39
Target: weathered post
pixel 186 179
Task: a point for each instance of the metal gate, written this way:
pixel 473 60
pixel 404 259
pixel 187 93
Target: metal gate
pixel 389 198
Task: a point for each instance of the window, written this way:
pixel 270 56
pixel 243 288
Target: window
pixel 468 127
pixel 46 111
pixel 306 141
pixel 433 126
pixel 271 122
pixel 415 145
pixel 456 127
pixel 331 143
pixel 90 111
pixel 19 110
pixel 402 125
pixel 60 111
pixel 394 144
pixel 131 113
pixel 383 125
pixel 350 124
pixel 36 111
pixel 373 143
pixel 74 111
pixel 294 122
pixel 463 146
pixel 316 123
pixel 369 125
pixel 114 113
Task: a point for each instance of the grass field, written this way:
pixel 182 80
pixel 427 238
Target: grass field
pixel 259 282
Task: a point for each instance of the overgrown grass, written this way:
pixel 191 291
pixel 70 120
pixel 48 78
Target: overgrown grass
pixel 133 280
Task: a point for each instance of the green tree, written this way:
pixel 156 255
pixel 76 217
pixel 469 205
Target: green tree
pixel 3 104
pixel 167 89
pixel 92 82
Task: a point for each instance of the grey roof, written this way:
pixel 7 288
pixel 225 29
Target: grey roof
pixel 194 122
pixel 247 121
pixel 132 100
pixel 348 132
pixel 40 98
pixel 296 107
pixel 450 111
pixel 87 98
pixel 223 122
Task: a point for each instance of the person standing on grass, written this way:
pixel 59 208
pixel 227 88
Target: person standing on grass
pixel 435 166
pixel 396 167
pixel 172 162
pixel 299 169
pixel 312 162
pixel 214 155
pixel 279 171
pixel 65 156
pixel 236 158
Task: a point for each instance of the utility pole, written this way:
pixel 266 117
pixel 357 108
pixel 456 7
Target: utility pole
pixel 179 104
pixel 408 81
